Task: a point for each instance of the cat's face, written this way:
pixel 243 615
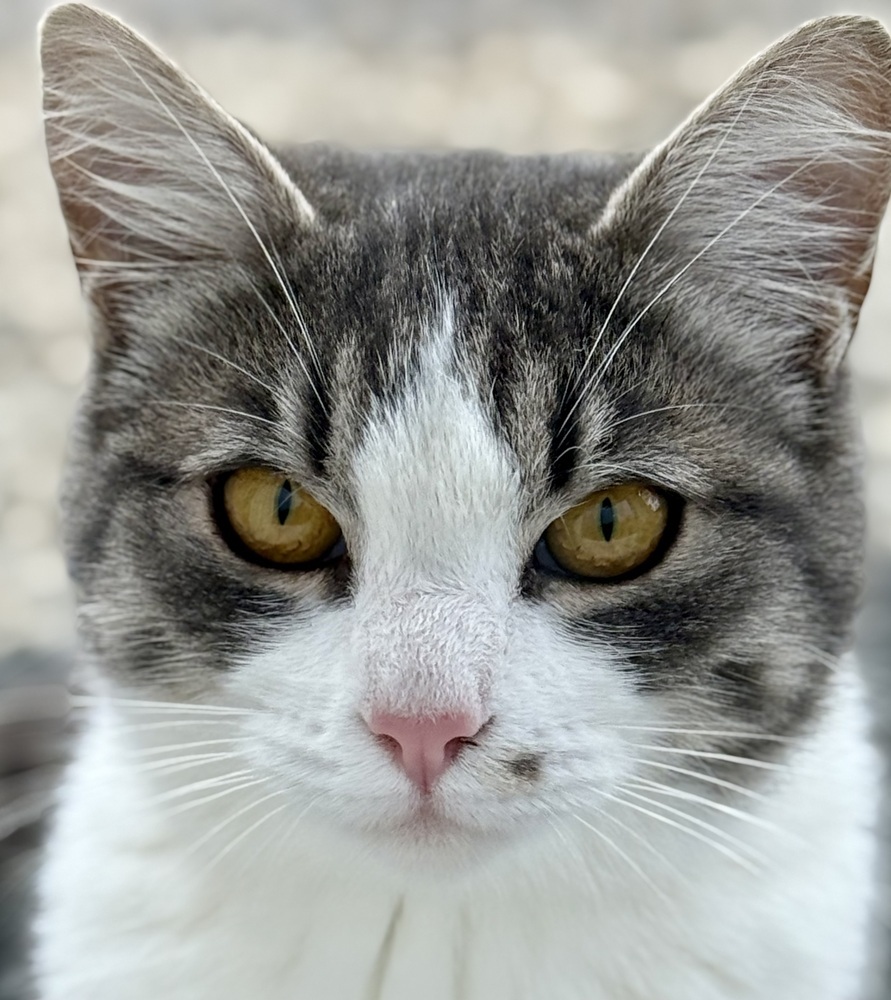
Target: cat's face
pixel 441 359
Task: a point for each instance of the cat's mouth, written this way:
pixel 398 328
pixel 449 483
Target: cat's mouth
pixel 442 825
pixel 430 837
pixel 429 818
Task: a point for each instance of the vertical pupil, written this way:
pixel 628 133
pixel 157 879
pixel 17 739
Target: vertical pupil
pixel 283 501
pixel 607 519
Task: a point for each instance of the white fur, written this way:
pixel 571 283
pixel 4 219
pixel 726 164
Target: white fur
pixel 557 915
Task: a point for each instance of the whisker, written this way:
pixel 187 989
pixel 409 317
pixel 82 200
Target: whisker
pixel 201 786
pixel 611 354
pixel 22 808
pixel 182 708
pixel 142 269
pixel 147 727
pixel 217 409
pixel 714 755
pixel 655 787
pixel 648 248
pixel 635 867
pixel 264 849
pixel 821 656
pixel 677 406
pixel 157 751
pixel 695 834
pixel 234 817
pixel 631 832
pixel 291 345
pixel 696 821
pixel 287 291
pixel 700 776
pixel 229 364
pixel 184 763
pixel 571 846
pixel 232 789
pixel 246 833
pixel 719 733
pixel 301 322
pixel 289 828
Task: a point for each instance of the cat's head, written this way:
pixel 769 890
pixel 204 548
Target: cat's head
pixel 479 482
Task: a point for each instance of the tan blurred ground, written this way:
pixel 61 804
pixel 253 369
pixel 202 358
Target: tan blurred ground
pixel 524 76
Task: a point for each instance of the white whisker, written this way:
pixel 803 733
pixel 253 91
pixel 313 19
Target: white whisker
pixel 231 789
pixel 642 840
pixel 158 751
pixel 699 776
pixel 234 817
pixel 203 785
pixel 702 824
pixel 695 834
pixel 632 864
pixel 648 248
pixel 717 733
pixel 288 830
pixel 614 350
pixel 655 787
pixel 713 755
pixel 287 291
pixel 289 341
pixel 184 708
pixel 246 833
pixel 229 364
pixel 677 406
pixel 184 763
pixel 242 414
pixel 144 727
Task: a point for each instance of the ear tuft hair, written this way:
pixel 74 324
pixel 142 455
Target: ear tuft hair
pixel 151 172
pixel 769 196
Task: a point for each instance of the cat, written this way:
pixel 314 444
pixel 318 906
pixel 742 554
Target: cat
pixel 466 547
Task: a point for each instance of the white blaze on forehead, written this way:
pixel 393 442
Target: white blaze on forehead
pixel 437 562
pixel 437 490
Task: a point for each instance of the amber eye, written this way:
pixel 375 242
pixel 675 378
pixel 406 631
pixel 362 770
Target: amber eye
pixel 611 533
pixel 275 519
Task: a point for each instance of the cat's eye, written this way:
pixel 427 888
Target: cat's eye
pixel 611 533
pixel 273 518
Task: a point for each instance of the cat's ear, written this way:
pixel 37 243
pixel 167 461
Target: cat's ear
pixel 765 203
pixel 151 172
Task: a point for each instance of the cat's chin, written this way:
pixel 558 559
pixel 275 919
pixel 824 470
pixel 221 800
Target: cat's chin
pixel 438 852
pixel 426 840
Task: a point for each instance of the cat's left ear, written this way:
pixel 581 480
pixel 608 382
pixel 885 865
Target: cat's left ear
pixel 763 207
pixel 152 174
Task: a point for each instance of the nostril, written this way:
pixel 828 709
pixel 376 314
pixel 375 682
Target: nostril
pixel 474 739
pixel 389 743
pixel 455 746
pixel 424 747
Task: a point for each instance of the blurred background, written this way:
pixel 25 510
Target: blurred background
pixel 520 75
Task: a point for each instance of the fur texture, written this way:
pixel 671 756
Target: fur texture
pixel 673 794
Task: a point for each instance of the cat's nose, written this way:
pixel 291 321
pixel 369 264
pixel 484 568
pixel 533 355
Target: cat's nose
pixel 425 747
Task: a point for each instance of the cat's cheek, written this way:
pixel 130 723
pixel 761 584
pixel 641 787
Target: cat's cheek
pixel 573 702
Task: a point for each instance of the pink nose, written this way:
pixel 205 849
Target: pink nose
pixel 425 747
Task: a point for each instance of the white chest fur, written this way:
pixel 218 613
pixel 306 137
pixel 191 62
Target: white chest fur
pixel 130 911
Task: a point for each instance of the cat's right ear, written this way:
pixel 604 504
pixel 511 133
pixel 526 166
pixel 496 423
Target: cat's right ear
pixel 152 174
